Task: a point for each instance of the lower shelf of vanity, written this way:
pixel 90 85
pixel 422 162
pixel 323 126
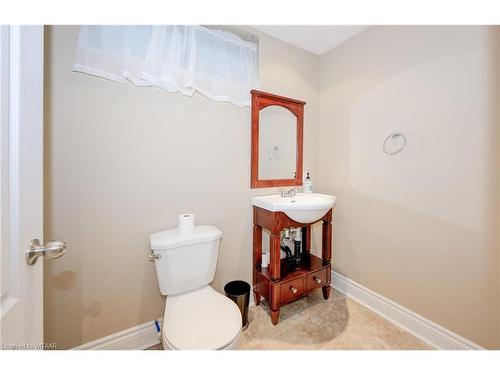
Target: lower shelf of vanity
pixel 294 284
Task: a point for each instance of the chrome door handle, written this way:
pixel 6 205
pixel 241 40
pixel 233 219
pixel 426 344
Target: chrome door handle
pixel 51 250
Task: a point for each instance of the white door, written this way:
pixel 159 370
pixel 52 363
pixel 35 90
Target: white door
pixel 21 199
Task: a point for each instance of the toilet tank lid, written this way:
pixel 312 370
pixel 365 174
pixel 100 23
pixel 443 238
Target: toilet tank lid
pixel 172 238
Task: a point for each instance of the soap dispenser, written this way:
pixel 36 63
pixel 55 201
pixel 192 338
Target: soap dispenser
pixel 308 187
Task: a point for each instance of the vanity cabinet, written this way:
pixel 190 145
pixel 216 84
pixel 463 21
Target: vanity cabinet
pixel 277 284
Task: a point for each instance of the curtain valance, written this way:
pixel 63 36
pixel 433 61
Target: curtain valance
pixel 183 59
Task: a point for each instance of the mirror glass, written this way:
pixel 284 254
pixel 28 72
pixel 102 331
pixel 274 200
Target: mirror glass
pixel 277 143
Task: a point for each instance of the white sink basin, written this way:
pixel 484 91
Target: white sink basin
pixel 303 208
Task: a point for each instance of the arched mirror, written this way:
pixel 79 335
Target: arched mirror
pixel 277 138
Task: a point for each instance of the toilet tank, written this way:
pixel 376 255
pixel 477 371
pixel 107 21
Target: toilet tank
pixel 187 260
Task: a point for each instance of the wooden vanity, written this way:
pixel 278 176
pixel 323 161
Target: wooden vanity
pixel 283 282
pixel 275 283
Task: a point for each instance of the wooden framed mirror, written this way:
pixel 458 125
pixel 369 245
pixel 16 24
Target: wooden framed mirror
pixel 277 140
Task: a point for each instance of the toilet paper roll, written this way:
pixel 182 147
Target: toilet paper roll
pixel 186 223
pixel 265 259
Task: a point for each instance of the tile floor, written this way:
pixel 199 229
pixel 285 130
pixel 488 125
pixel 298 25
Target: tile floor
pixel 313 323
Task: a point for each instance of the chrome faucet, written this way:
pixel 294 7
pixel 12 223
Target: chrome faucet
pixel 288 193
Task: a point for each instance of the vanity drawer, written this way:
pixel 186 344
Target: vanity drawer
pixel 292 288
pixel 316 279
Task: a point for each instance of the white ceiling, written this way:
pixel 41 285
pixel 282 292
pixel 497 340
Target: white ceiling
pixel 316 39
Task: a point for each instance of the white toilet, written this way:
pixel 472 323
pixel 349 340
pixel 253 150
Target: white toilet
pixel 196 316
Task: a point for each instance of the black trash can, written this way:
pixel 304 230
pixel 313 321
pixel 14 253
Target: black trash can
pixel 239 292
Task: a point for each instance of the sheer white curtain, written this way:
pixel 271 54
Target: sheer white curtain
pixel 181 59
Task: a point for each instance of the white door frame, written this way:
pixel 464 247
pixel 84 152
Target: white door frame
pixel 21 198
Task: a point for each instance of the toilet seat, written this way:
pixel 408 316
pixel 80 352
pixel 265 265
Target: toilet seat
pixel 201 319
pixel 232 345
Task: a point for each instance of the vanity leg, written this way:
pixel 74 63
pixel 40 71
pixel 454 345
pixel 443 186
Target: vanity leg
pixel 326 248
pixel 275 261
pixel 257 259
pixel 256 296
pixel 257 246
pixel 275 315
pixel 326 291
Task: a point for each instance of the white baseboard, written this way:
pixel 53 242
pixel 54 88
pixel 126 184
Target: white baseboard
pixel 429 332
pixel 139 337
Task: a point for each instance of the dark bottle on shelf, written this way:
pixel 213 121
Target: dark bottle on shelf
pixel 297 252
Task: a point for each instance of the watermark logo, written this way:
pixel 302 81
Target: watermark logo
pixel 30 346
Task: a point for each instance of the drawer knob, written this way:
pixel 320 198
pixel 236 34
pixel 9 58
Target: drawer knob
pixel 317 279
pixel 293 290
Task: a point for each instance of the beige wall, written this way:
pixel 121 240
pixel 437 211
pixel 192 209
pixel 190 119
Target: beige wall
pixel 123 161
pixel 420 227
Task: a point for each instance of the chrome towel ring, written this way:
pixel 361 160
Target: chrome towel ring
pixel 394 143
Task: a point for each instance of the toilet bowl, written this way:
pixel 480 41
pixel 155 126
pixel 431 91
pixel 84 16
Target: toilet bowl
pixel 201 319
pixel 196 316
